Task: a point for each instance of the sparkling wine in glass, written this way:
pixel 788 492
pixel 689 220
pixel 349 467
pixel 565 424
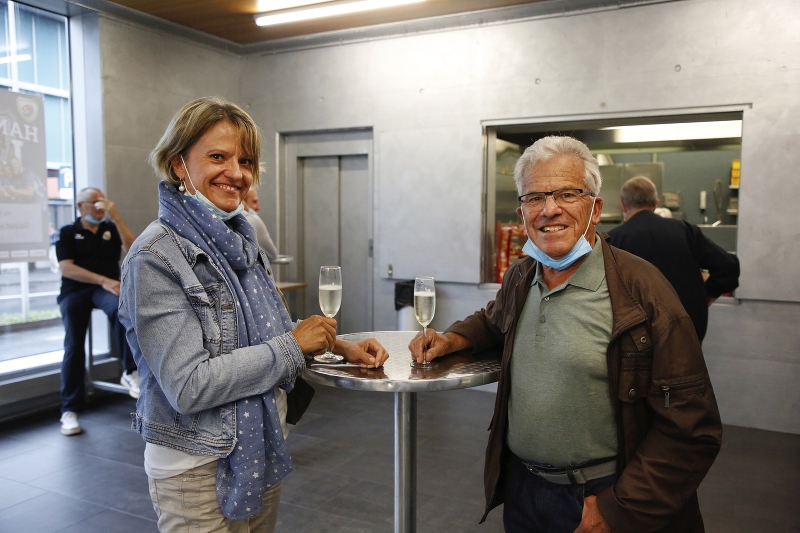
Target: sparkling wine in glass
pixel 330 299
pixel 424 309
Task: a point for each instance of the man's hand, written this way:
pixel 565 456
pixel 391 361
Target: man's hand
pixel 108 206
pixel 111 285
pixel 315 334
pixel 434 345
pixel 369 352
pixel 592 520
pixel 113 215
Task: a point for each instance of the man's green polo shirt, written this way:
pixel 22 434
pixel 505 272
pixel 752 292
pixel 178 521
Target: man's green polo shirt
pixel 560 410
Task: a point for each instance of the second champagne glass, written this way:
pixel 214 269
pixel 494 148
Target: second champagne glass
pixel 330 299
pixel 424 309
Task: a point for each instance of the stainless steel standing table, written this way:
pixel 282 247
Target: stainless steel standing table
pixel 454 371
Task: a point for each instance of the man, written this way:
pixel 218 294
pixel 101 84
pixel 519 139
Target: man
pixel 262 234
pixel 677 248
pixel 605 419
pixel 88 253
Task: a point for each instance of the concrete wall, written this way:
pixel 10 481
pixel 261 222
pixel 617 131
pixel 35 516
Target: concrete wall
pixel 425 97
pixel 147 76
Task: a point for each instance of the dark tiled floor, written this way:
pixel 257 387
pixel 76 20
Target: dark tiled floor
pixel 343 454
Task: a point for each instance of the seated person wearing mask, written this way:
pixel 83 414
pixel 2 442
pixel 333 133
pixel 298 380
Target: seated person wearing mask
pixel 605 419
pixel 214 343
pixel 88 253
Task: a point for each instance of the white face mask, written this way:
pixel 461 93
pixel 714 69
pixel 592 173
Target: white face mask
pixel 224 215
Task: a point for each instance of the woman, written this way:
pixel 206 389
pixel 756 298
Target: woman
pixel 212 338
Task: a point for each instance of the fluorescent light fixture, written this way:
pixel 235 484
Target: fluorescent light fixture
pixel 15 59
pixel 721 129
pixel 277 5
pixel 339 8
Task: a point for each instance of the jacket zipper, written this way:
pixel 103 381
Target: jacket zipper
pixel 667 388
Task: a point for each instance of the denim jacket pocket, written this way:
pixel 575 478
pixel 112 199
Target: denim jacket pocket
pixel 205 302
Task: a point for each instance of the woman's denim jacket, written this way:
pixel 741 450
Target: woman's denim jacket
pixel 182 327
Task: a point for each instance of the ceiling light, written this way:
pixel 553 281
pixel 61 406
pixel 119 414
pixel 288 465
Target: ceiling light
pixel 15 59
pixel 277 5
pixel 721 129
pixel 339 8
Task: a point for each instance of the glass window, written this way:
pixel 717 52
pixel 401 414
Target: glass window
pixel 5 69
pixel 34 59
pixel 691 159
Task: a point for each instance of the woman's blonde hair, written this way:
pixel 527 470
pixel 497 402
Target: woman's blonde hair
pixel 192 122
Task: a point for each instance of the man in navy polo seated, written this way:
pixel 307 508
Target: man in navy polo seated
pixel 88 253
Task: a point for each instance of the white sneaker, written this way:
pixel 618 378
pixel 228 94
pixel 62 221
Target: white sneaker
pixel 130 380
pixel 69 423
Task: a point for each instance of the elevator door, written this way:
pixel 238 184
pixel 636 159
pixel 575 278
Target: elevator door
pixel 335 214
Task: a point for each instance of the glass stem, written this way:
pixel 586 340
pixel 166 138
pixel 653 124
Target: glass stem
pixel 425 338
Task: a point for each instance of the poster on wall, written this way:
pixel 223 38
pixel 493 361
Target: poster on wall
pixel 24 227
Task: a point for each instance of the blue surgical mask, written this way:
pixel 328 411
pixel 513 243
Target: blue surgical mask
pixel 91 220
pixel 224 215
pixel 579 249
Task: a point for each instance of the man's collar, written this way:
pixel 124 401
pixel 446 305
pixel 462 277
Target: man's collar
pixel 592 272
pixel 647 212
pixel 589 275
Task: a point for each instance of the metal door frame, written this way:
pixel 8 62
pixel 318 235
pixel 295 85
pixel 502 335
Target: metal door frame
pixel 291 147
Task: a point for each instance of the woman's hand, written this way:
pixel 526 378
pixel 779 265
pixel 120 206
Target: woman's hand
pixel 315 334
pixel 369 352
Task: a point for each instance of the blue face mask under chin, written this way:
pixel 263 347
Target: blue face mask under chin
pixel 91 220
pixel 224 215
pixel 579 249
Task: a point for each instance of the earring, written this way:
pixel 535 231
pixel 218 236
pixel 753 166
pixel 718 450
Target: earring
pixel 182 188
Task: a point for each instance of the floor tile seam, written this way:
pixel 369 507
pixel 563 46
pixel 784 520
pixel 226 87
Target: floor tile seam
pixel 315 509
pixel 116 464
pixel 43 491
pixel 348 526
pixel 12 456
pixel 348 475
pixel 154 519
pixel 101 507
pixel 68 493
pixel 442 496
pixel 72 525
pixel 318 470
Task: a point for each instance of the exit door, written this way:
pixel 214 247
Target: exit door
pixel 335 214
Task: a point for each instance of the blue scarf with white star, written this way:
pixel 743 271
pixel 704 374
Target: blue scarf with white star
pixel 260 458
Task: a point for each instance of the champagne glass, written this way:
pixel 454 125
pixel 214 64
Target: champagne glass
pixel 424 309
pixel 330 299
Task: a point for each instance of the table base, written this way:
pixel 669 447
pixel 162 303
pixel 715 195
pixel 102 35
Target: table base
pixel 405 462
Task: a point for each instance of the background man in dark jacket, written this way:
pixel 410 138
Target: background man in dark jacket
pixel 605 419
pixel 678 249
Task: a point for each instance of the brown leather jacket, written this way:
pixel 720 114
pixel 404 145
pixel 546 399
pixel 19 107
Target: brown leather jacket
pixel 668 424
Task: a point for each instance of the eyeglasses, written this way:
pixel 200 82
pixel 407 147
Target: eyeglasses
pixel 562 197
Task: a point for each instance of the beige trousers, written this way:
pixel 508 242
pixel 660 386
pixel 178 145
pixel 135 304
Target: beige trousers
pixel 187 503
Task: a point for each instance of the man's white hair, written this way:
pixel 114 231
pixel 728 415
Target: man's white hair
pixel 86 194
pixel 547 148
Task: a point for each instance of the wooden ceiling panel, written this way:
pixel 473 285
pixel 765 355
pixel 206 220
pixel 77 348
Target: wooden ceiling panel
pixel 234 20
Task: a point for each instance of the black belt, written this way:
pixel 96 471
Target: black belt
pixel 575 475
